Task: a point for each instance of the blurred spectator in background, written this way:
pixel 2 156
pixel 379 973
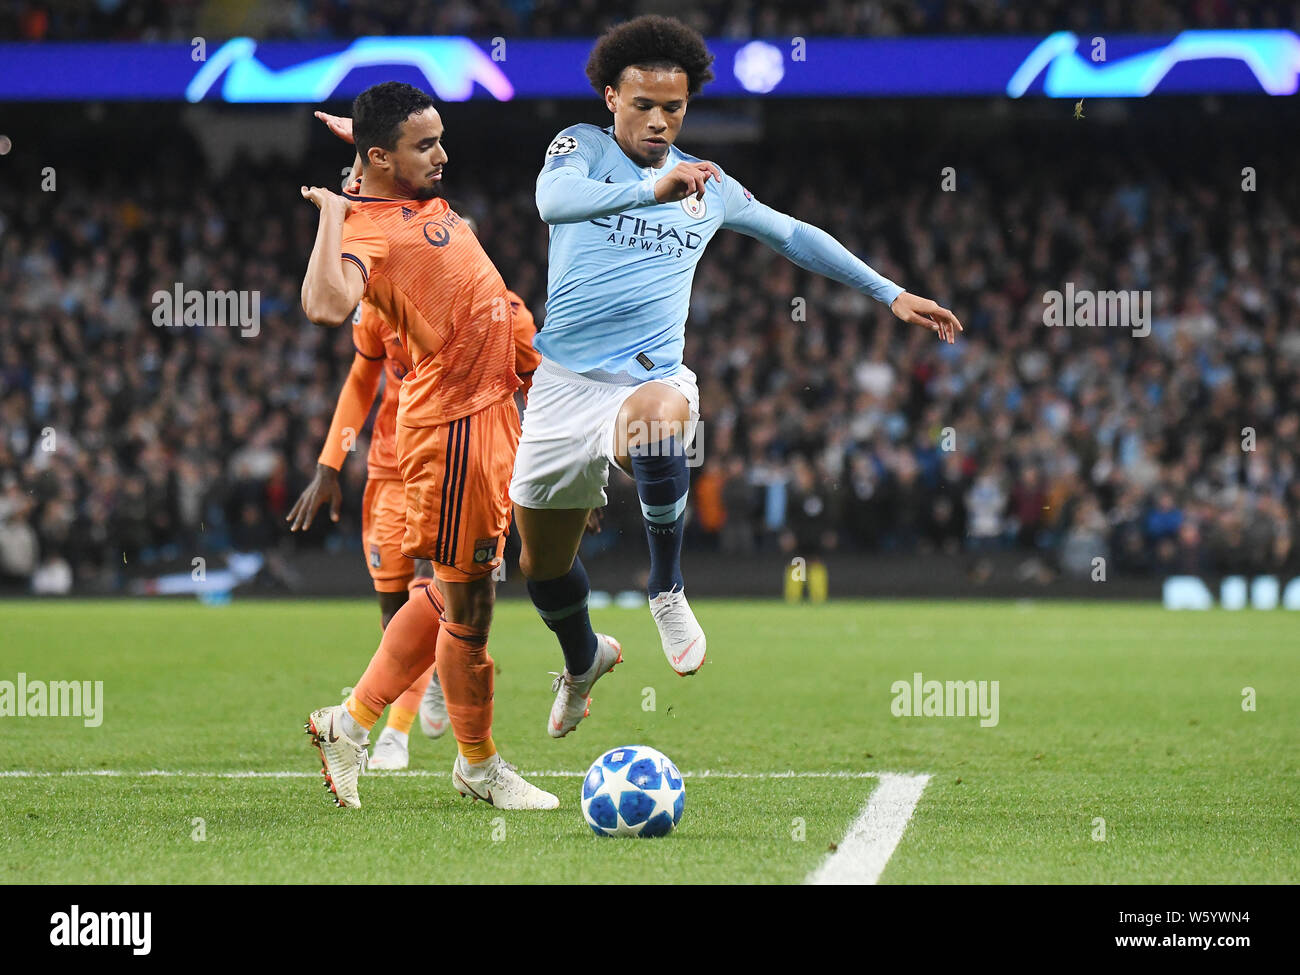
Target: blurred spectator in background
pixel 986 502
pixel 124 444
pixel 1085 541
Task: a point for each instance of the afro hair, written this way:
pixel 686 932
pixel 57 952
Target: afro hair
pixel 649 42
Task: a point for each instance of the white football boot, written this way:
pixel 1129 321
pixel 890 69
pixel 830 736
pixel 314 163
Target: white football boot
pixel 498 784
pixel 680 632
pixel 342 759
pixel 434 721
pixel 391 752
pixel 573 694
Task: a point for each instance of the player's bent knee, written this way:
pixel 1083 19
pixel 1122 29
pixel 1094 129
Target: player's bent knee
pixel 550 540
pixel 534 569
pixel 539 570
pixel 652 418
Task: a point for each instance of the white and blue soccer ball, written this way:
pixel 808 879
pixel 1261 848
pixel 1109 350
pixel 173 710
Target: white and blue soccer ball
pixel 633 791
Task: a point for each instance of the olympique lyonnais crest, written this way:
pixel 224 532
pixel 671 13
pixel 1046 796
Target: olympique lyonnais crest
pixel 484 550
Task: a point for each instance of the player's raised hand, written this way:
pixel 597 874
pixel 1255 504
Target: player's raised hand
pixel 325 200
pixel 916 310
pixel 340 126
pixel 686 179
pixel 324 487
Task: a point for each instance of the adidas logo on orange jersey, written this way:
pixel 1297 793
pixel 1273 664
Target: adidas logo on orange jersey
pixel 407 213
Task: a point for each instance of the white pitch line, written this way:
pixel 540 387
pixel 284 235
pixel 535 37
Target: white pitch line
pixel 861 856
pixel 412 773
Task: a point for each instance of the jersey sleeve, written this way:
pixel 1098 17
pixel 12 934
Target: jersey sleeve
pixel 566 193
pixel 810 247
pixel 744 214
pixel 527 359
pixel 364 244
pixel 577 148
pixel 355 399
pixel 368 332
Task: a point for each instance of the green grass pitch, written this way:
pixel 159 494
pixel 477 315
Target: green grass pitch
pixel 1115 712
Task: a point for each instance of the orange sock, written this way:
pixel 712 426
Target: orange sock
pixel 477 752
pixel 468 682
pixel 400 719
pixel 407 650
pixel 362 715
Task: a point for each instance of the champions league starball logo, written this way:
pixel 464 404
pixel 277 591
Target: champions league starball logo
pixel 562 146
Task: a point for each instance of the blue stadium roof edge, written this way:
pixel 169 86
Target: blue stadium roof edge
pixel 1062 65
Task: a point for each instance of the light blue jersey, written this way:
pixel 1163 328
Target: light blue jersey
pixel 621 264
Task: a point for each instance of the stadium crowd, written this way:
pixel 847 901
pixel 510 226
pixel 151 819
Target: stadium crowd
pixel 181 20
pixel 828 425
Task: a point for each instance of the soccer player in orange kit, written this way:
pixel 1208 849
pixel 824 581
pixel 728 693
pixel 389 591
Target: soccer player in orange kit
pixel 401 247
pixel 379 353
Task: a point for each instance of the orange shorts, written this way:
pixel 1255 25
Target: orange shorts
pixel 457 478
pixel 383 526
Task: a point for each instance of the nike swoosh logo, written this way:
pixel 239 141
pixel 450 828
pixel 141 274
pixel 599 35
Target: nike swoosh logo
pixel 682 656
pixel 332 738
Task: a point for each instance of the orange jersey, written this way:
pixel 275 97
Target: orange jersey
pixel 374 340
pixel 429 277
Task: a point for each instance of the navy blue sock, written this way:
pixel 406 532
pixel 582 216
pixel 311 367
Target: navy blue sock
pixel 662 482
pixel 562 604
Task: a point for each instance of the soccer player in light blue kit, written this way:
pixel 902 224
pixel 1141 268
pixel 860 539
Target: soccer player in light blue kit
pixel 630 216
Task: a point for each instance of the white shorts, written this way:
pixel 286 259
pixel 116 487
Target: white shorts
pixel 567 444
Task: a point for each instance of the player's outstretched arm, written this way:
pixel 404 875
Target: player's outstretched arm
pixel 324 487
pixel 355 400
pixel 815 250
pixel 928 314
pixel 331 287
pixel 350 412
